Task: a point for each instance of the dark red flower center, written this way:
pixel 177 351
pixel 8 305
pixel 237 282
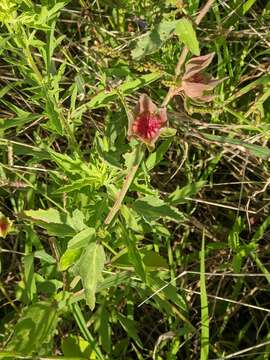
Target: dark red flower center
pixel 198 78
pixel 146 125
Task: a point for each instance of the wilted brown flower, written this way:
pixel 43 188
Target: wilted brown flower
pixel 194 82
pixel 147 121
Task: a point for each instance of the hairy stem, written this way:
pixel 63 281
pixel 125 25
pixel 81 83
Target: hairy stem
pixel 128 180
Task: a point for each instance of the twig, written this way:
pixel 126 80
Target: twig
pixel 203 11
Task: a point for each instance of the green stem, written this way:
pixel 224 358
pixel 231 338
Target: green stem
pixel 128 180
pixel 11 302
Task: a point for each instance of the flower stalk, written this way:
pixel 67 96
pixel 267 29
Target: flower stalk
pixel 139 153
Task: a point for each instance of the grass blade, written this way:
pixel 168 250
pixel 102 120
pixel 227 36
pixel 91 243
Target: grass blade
pixel 204 306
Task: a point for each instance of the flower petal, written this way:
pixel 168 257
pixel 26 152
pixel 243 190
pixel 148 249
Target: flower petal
pixel 196 90
pixel 145 104
pixel 197 64
pixel 5 225
pixel 162 115
pixel 147 121
pixel 213 83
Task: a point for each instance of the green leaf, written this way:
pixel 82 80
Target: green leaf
pixel 56 223
pixel 48 287
pixel 152 208
pixel 179 195
pixel 134 254
pixel 131 218
pixel 130 326
pixel 76 185
pixel 17 121
pixel 22 117
pixel 70 165
pixel 110 281
pixel 90 269
pixel 263 80
pixel 261 230
pixel 154 260
pixel 53 112
pixel 104 329
pixel 82 238
pixel 156 157
pixel 167 132
pixel 80 320
pixel 114 281
pixel 170 292
pixel 70 257
pixel 93 174
pixel 237 262
pixel 9 355
pixel 247 5
pixel 78 220
pixel 187 35
pixel 49 216
pixel 36 327
pixel 256 150
pixel 24 149
pixel 42 255
pixel 204 306
pixel 76 346
pixel 75 247
pixel 153 40
pixel 29 279
pixel 233 237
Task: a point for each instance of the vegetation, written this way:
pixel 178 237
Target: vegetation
pixel 134 199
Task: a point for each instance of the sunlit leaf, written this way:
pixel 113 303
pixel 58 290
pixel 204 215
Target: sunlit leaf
pixel 76 346
pixel 69 258
pixel 36 326
pixel 55 222
pixel 187 35
pixel 90 269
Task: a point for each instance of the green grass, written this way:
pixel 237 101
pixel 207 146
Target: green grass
pixel 179 269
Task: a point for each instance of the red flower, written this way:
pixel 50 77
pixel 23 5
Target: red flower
pixel 5 225
pixel 147 121
pixel 194 82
